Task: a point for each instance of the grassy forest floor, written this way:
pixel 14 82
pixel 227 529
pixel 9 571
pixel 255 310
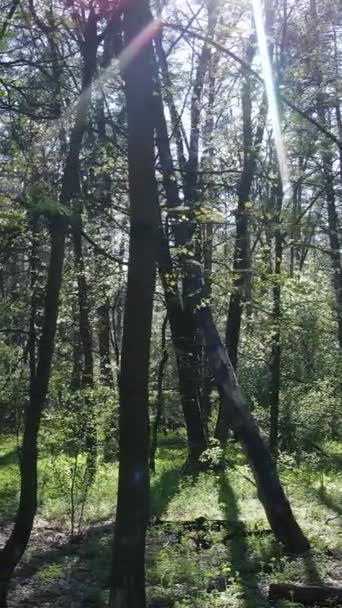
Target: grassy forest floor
pixel 208 545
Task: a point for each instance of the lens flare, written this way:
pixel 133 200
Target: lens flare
pixel 121 62
pixel 141 40
pixel 271 95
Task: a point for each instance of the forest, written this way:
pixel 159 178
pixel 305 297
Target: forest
pixel 170 303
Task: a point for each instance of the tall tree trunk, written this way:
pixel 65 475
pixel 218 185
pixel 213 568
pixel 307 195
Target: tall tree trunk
pixel 334 239
pixel 160 396
pixel 241 248
pixel 16 544
pixel 176 120
pixel 86 343
pixel 193 196
pixel 75 380
pixel 327 164
pixel 241 261
pixel 127 581
pixel 275 364
pixel 207 192
pixel 83 302
pixel 19 537
pixel 32 341
pixel 183 327
pixel 270 491
pixel 103 324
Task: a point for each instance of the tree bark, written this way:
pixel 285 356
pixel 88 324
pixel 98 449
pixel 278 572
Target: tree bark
pixel 309 595
pixel 103 312
pixel 182 324
pixel 327 165
pixel 270 491
pixel 241 261
pixel 86 343
pixel 334 239
pixel 127 580
pixel 160 397
pixel 19 537
pixel 16 544
pixel 87 380
pixel 275 364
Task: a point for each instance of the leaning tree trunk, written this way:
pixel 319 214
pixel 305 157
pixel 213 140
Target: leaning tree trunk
pixel 17 542
pixel 270 491
pixel 127 579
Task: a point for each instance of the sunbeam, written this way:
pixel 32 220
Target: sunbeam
pixel 271 95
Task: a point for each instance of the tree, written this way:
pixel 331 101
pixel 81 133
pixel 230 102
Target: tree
pixel 127 580
pixel 58 222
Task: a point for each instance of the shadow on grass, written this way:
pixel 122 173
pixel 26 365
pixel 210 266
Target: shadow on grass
pixel 172 441
pixel 330 460
pixel 312 575
pixel 78 571
pixel 239 558
pixel 321 495
pixel 329 502
pixel 163 488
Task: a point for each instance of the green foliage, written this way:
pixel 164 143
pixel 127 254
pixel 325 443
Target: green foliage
pixel 13 386
pixel 9 477
pixel 311 416
pixel 49 572
pixel 212 458
pixel 74 428
pixel 177 570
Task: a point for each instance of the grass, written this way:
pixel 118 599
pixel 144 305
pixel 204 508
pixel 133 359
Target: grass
pixel 179 572
pixel 9 478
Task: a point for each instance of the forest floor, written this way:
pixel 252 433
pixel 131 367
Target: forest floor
pixel 208 545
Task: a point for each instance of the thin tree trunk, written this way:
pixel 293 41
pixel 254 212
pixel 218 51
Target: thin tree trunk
pixel 160 396
pixel 127 580
pixel 103 312
pixel 275 364
pixel 16 544
pixel 241 261
pixel 86 343
pixel 176 120
pixel 207 228
pixel 183 327
pixel 327 162
pixel 8 18
pixel 19 537
pixel 75 380
pixel 83 303
pixel 193 196
pixel 32 341
pixel 335 245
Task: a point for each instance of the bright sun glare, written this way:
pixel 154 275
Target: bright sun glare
pixel 149 32
pixel 271 95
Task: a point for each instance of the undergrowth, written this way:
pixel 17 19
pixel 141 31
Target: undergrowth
pixel 210 566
